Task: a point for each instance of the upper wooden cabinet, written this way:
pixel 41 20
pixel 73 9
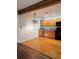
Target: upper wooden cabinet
pixel 49 22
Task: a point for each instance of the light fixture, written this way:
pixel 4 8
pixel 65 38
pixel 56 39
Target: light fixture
pixel 35 20
pixel 46 16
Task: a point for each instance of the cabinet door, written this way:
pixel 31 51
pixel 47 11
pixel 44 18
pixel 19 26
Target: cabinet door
pixel 49 22
pixel 41 33
pixel 44 22
pixel 51 34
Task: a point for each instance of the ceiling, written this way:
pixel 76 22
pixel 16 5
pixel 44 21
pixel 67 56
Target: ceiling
pixel 26 3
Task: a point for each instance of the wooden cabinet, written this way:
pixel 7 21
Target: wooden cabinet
pixel 41 33
pixel 49 22
pixel 44 22
pixel 51 34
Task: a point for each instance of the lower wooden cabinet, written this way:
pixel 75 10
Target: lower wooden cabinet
pixel 51 34
pixel 41 33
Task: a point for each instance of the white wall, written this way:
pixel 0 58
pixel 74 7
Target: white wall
pixel 25 20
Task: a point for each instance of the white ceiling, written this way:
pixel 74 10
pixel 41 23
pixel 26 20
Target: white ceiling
pixel 25 3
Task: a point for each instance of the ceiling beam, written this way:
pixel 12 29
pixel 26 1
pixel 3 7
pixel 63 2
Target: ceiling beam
pixel 39 5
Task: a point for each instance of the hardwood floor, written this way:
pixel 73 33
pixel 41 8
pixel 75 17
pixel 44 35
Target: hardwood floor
pixel 25 52
pixel 46 46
